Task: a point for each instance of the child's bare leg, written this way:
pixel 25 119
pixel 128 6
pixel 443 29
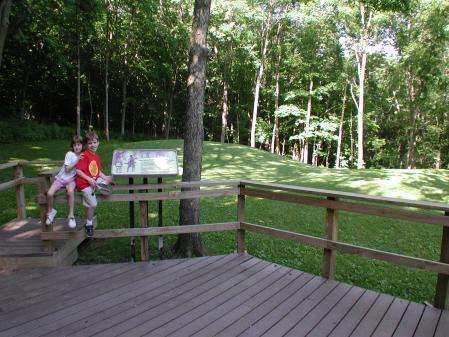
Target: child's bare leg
pixel 90 211
pixel 50 195
pixel 71 199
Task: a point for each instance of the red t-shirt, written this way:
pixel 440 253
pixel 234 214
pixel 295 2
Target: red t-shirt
pixel 90 165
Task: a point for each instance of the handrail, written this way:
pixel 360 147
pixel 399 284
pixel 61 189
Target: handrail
pixel 177 185
pixel 399 259
pixel 29 162
pixel 348 195
pixel 147 231
pixel 388 212
pixel 18 182
pixel 156 196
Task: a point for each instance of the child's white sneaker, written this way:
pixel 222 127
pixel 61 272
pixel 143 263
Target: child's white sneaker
pixel 50 217
pixel 72 223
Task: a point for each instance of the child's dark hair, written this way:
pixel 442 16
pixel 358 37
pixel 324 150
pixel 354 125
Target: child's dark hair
pixel 76 139
pixel 91 135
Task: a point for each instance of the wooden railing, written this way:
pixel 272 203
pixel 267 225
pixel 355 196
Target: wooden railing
pixel 332 201
pixel 18 182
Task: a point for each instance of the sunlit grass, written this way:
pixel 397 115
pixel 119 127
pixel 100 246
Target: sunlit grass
pixel 226 161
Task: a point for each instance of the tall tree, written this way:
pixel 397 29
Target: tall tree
pixel 106 67
pixel 5 8
pixel 189 209
pixel 265 40
pixel 275 145
pixel 78 71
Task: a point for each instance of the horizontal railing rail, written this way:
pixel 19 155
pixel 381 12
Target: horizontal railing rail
pixel 398 259
pixel 148 231
pixel 355 207
pixel 18 182
pixel 10 164
pixel 348 195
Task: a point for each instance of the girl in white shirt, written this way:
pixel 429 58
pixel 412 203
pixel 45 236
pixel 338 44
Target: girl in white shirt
pixel 66 178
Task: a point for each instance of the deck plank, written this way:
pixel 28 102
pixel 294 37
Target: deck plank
pixel 61 284
pixel 372 318
pixel 21 245
pixel 428 323
pixel 265 323
pixel 345 327
pixel 216 317
pixel 336 314
pixel 153 319
pixel 102 314
pixel 315 316
pixel 230 325
pixel 71 309
pixel 410 320
pixel 391 319
pixel 443 324
pixel 190 286
pixel 229 295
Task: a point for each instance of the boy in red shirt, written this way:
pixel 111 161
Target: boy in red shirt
pixel 88 170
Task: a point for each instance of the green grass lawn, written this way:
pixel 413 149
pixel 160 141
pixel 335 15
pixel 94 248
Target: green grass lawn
pixel 236 161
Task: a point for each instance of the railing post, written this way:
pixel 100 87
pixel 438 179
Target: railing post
pixel 43 186
pixel 240 236
pixel 442 287
pixel 20 193
pixel 331 234
pixel 144 250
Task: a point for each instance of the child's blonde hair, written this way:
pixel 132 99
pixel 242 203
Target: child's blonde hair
pixel 91 135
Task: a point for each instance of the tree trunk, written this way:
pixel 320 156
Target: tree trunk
pixel 351 133
pixel 362 56
pixel 124 104
pixel 224 113
pixel 189 209
pixel 340 130
pixel 360 161
pixel 275 146
pixel 90 103
pixel 106 77
pixel 24 92
pixel 78 73
pixel 5 9
pixel 415 115
pixel 266 36
pixel 133 129
pixel 307 126
pixel 237 122
pixel 283 147
pixel 170 103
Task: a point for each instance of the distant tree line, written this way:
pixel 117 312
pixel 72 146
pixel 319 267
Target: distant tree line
pixel 338 83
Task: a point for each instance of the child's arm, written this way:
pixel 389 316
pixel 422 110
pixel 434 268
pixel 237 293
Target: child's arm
pixel 106 178
pixel 69 168
pixel 90 180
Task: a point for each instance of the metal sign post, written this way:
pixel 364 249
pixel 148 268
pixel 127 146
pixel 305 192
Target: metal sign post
pixel 145 163
pixel 131 223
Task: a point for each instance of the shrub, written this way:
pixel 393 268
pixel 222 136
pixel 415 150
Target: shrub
pixel 12 131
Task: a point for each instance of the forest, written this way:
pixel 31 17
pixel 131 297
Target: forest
pixel 335 83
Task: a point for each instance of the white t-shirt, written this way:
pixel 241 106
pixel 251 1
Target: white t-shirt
pixel 70 159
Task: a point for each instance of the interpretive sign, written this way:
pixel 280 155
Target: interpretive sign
pixel 144 163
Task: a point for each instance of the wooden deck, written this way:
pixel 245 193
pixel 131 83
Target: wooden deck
pixel 231 295
pixel 21 245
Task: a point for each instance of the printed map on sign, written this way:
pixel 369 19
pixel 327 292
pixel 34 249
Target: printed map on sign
pixel 144 162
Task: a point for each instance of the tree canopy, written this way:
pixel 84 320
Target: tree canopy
pixel 344 83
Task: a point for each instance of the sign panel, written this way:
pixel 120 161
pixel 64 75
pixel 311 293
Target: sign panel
pixel 144 162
